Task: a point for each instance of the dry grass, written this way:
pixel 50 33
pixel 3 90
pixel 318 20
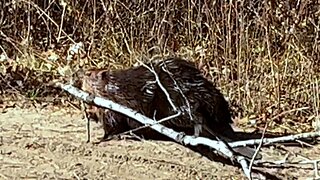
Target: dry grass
pixel 264 55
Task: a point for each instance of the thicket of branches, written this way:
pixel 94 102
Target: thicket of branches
pixel 263 55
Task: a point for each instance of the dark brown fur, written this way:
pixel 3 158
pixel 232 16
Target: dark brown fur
pixel 205 112
pixel 127 88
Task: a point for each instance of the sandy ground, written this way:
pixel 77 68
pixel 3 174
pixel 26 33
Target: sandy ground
pixel 51 144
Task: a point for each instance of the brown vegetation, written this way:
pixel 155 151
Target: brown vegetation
pixel 264 55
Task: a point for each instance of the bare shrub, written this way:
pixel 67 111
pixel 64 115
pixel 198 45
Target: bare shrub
pixel 263 54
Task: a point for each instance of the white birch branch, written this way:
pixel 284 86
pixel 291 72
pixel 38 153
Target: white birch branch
pixel 267 141
pixel 219 146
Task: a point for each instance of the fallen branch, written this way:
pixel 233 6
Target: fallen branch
pixel 219 146
pixel 268 141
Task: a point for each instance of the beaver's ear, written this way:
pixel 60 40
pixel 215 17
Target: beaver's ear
pixel 91 73
pixel 102 74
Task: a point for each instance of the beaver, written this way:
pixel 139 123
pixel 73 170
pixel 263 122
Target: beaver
pixel 205 112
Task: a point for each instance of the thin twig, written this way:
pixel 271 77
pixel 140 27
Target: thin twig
pixel 161 86
pixel 85 114
pixel 179 89
pixel 64 4
pixel 257 150
pixel 267 141
pixel 40 10
pixel 148 125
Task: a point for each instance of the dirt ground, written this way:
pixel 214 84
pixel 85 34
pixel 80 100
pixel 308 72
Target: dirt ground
pixel 51 144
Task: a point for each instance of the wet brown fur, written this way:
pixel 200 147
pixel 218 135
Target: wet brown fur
pixel 199 101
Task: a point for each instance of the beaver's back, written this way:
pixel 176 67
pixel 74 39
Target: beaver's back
pixel 207 105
